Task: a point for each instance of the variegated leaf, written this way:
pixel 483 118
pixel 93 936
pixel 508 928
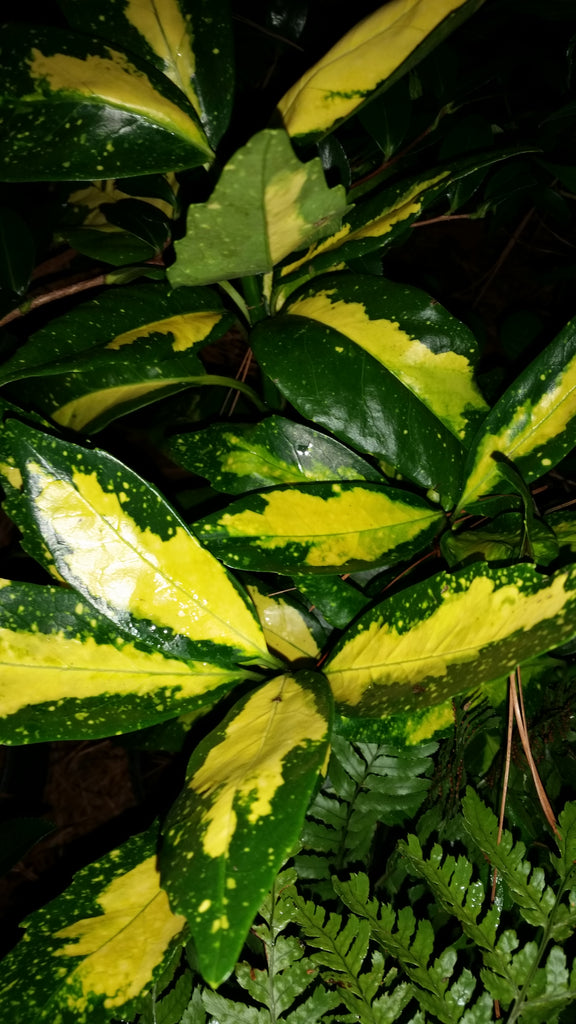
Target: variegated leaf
pixel 400 730
pixel 247 789
pixel 88 954
pixel 189 41
pixel 449 634
pixel 326 528
pixel 67 674
pixel 265 205
pixel 348 389
pixel 94 523
pixel 126 349
pixel 421 344
pixel 533 424
pixel 75 108
pixel 368 59
pixel 290 629
pixel 245 456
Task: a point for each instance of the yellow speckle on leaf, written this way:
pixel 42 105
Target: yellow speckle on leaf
pixel 12 474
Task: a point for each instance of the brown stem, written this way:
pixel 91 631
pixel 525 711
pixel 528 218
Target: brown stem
pixel 444 217
pixel 51 296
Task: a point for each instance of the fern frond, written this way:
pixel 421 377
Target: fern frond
pixel 533 897
pixel 367 783
pixel 343 949
pixel 449 878
pixel 411 943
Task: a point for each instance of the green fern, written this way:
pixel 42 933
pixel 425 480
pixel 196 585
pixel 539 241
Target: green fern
pixel 367 784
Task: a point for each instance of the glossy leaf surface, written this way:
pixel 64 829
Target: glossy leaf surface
pixel 75 108
pixel 117 353
pixel 533 424
pixel 427 349
pixel 449 634
pixel 341 386
pixel 189 41
pixel 337 600
pixel 331 528
pixel 246 456
pixel 89 953
pixel 114 538
pixel 67 674
pixel 247 789
pixel 266 204
pixel 369 58
pixel 292 632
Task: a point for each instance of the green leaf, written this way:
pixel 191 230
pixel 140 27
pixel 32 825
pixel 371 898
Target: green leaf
pixel 340 385
pixel 245 456
pixel 449 634
pixel 94 523
pixel 116 353
pixel 265 205
pixel 17 252
pixel 533 424
pixel 368 59
pixel 66 674
pixel 419 342
pixel 90 952
pixel 75 108
pixel 337 600
pixel 247 788
pixel 189 41
pixel 325 528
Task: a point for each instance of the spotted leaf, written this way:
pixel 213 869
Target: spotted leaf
pixel 247 789
pixel 533 424
pixel 111 536
pixel 368 59
pixel 126 349
pixel 246 456
pixel 88 954
pixel 67 674
pixel 449 634
pixel 76 108
pixel 189 41
pixel 266 204
pixel 325 528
